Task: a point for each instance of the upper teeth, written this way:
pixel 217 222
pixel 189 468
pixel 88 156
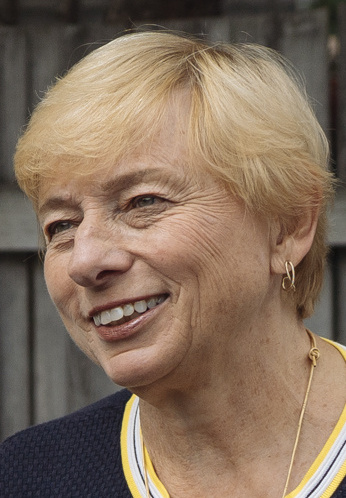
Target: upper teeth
pixel 114 314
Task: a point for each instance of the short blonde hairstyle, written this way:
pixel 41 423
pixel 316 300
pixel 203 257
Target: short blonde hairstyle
pixel 249 121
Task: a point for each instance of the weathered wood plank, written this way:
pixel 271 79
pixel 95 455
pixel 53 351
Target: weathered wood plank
pixel 340 295
pixel 244 6
pixel 306 29
pixel 13 95
pixel 14 344
pixel 95 35
pixel 48 10
pixel 337 220
pixel 18 226
pixel 19 232
pixel 250 28
pixel 341 95
pixel 48 355
pixel 322 320
pixel 64 380
pixel 52 48
pixel 86 382
pixel 8 11
pixel 304 43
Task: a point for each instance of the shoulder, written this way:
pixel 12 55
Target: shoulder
pixel 341 490
pixel 80 450
pixel 107 409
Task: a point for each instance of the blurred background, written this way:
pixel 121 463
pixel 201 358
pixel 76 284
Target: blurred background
pixel 42 373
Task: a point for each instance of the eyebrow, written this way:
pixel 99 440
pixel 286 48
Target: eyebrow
pixel 54 203
pixel 128 179
pixel 113 185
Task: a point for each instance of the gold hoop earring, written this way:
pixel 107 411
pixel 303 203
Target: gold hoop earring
pixel 289 280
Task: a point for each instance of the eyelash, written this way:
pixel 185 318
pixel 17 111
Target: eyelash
pixel 50 230
pixel 65 225
pixel 136 200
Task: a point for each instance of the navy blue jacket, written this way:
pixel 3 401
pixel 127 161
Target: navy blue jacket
pixel 71 457
pixel 74 456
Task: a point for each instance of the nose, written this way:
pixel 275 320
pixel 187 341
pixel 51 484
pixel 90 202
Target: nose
pixel 97 255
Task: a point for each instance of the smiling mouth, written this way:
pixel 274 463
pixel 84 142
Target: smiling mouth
pixel 127 312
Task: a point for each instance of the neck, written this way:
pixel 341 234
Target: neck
pixel 233 414
pixel 253 366
pixel 238 415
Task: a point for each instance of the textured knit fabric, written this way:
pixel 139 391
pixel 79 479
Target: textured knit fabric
pixel 341 491
pixel 75 456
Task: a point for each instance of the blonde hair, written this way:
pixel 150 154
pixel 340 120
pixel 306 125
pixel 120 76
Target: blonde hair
pixel 249 121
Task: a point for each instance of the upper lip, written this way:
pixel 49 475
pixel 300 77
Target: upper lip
pixel 114 304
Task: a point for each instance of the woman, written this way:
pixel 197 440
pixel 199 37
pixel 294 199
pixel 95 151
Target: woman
pixel 182 191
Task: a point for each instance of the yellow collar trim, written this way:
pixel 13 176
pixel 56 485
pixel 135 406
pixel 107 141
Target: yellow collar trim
pixel 153 476
pixel 138 490
pixel 325 450
pixel 132 455
pixel 125 457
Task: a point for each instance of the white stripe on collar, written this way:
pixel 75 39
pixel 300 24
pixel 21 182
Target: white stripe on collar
pixel 132 455
pixel 321 480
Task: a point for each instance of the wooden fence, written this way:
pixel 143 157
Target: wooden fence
pixel 42 373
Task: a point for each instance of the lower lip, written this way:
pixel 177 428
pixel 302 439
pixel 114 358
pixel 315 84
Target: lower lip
pixel 116 333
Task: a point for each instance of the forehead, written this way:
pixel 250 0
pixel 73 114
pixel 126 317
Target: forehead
pixel 166 151
pixel 162 167
pixel 77 152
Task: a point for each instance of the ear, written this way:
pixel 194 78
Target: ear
pixel 295 244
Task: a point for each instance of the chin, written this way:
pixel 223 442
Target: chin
pixel 134 370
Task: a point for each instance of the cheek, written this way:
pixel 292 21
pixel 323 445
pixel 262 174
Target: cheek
pixel 62 292
pixel 191 247
pixel 59 285
pixel 225 262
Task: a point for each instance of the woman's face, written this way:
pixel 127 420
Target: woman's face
pixel 155 269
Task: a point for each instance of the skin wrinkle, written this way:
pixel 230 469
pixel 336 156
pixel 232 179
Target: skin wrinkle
pixel 194 206
pixel 186 453
pixel 214 260
pixel 63 201
pixel 221 366
pixel 204 243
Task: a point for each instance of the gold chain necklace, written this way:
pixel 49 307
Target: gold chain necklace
pixel 314 354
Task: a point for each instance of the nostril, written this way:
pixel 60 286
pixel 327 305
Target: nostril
pixel 95 267
pixel 104 274
pixel 96 256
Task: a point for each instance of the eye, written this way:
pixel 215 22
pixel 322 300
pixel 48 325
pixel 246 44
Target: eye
pixel 143 201
pixel 58 227
pixel 142 211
